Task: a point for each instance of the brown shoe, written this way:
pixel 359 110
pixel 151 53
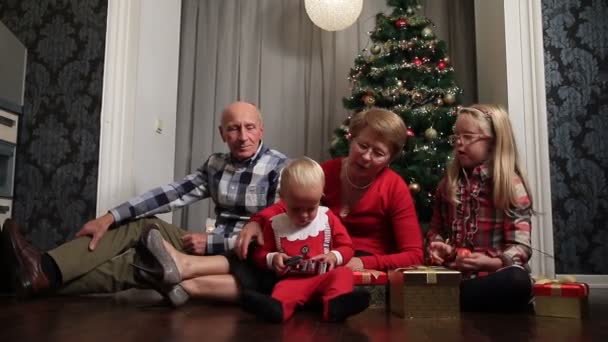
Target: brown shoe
pixel 31 280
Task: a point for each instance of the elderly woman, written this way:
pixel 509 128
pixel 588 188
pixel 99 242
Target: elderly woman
pixel 372 201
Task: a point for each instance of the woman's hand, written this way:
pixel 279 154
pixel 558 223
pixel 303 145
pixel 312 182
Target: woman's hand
pixel 250 231
pixel 355 264
pixel 278 262
pixel 440 252
pixel 329 258
pixel 476 262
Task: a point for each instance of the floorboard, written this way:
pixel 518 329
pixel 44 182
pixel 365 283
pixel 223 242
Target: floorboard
pixel 112 318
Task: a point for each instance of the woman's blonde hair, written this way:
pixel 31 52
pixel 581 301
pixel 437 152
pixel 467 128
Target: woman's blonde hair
pixel 384 123
pixel 302 172
pixel 505 167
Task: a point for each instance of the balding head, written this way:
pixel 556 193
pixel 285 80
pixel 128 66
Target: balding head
pixel 240 108
pixel 242 129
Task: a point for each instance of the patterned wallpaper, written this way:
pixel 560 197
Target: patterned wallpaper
pixel 58 145
pixel 576 71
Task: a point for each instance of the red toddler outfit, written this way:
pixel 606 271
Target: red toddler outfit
pixel 323 235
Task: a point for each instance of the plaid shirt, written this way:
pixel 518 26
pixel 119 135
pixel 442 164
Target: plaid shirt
pixel 478 225
pixel 238 189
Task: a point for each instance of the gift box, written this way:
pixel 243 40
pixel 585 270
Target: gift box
pixel 425 292
pixel 375 282
pixel 561 299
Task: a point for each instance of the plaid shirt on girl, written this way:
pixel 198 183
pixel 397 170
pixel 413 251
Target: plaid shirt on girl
pixel 478 225
pixel 238 189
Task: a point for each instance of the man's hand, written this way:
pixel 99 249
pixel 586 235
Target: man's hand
pixel 476 262
pixel 96 229
pixel 355 264
pixel 278 262
pixel 250 230
pixel 439 252
pixel 195 243
pixel 329 258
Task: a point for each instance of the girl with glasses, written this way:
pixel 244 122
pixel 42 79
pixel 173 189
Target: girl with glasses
pixel 481 218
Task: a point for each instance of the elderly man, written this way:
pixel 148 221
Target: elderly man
pixel 100 259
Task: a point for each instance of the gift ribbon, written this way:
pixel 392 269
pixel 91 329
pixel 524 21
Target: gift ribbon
pixel 368 275
pixel 564 287
pixel 431 271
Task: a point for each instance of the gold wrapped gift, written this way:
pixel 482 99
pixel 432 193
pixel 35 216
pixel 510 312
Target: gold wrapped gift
pixel 561 298
pixel 425 292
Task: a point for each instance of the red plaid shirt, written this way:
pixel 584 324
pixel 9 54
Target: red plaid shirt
pixel 478 225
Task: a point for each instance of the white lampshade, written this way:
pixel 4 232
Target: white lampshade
pixel 333 15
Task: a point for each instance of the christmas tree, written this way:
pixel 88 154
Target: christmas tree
pixel 407 70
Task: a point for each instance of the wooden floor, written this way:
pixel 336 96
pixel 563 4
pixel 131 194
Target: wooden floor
pixel 115 319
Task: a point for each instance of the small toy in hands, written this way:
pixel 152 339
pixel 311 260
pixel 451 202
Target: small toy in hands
pixel 299 265
pixel 462 253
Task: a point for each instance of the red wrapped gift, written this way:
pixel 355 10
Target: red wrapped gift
pixel 561 289
pixel 370 277
pixel 557 298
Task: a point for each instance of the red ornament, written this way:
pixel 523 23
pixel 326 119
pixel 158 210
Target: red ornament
pixel 410 133
pixel 462 253
pixel 401 23
pixel 418 61
pixel 441 65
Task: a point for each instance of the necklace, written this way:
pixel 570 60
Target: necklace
pixel 358 187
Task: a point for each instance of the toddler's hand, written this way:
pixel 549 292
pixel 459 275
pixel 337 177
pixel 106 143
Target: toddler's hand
pixel 329 258
pixel 278 262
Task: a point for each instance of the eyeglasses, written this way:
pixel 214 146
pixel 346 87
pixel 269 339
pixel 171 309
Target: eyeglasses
pixel 375 153
pixel 466 138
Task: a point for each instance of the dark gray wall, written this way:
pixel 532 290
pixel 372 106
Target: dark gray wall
pixel 576 70
pixel 58 145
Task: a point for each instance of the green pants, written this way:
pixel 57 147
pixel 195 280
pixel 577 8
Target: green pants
pixel 109 267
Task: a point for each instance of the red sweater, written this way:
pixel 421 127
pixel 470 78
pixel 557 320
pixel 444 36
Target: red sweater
pixel 383 223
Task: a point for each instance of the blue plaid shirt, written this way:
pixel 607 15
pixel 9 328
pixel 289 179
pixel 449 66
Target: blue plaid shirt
pixel 238 189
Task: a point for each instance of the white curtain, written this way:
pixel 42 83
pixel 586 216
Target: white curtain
pixel 269 53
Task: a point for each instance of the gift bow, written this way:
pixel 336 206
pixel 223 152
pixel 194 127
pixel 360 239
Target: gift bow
pixel 541 280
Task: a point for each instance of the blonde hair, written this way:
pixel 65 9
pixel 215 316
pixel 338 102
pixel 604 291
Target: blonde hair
pixel 383 122
pixel 302 172
pixel 505 166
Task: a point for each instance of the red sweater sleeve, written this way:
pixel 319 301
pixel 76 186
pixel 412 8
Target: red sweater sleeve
pixel 340 240
pixel 260 253
pixel 408 237
pixel 264 216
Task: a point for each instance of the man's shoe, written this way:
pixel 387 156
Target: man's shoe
pixel 25 258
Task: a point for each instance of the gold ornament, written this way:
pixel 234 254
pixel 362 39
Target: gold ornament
pixel 414 188
pixel 376 49
pixel 417 97
pixel 427 33
pixel 430 133
pixel 449 99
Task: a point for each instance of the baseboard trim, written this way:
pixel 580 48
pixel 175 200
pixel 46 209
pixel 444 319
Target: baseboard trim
pixel 594 281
